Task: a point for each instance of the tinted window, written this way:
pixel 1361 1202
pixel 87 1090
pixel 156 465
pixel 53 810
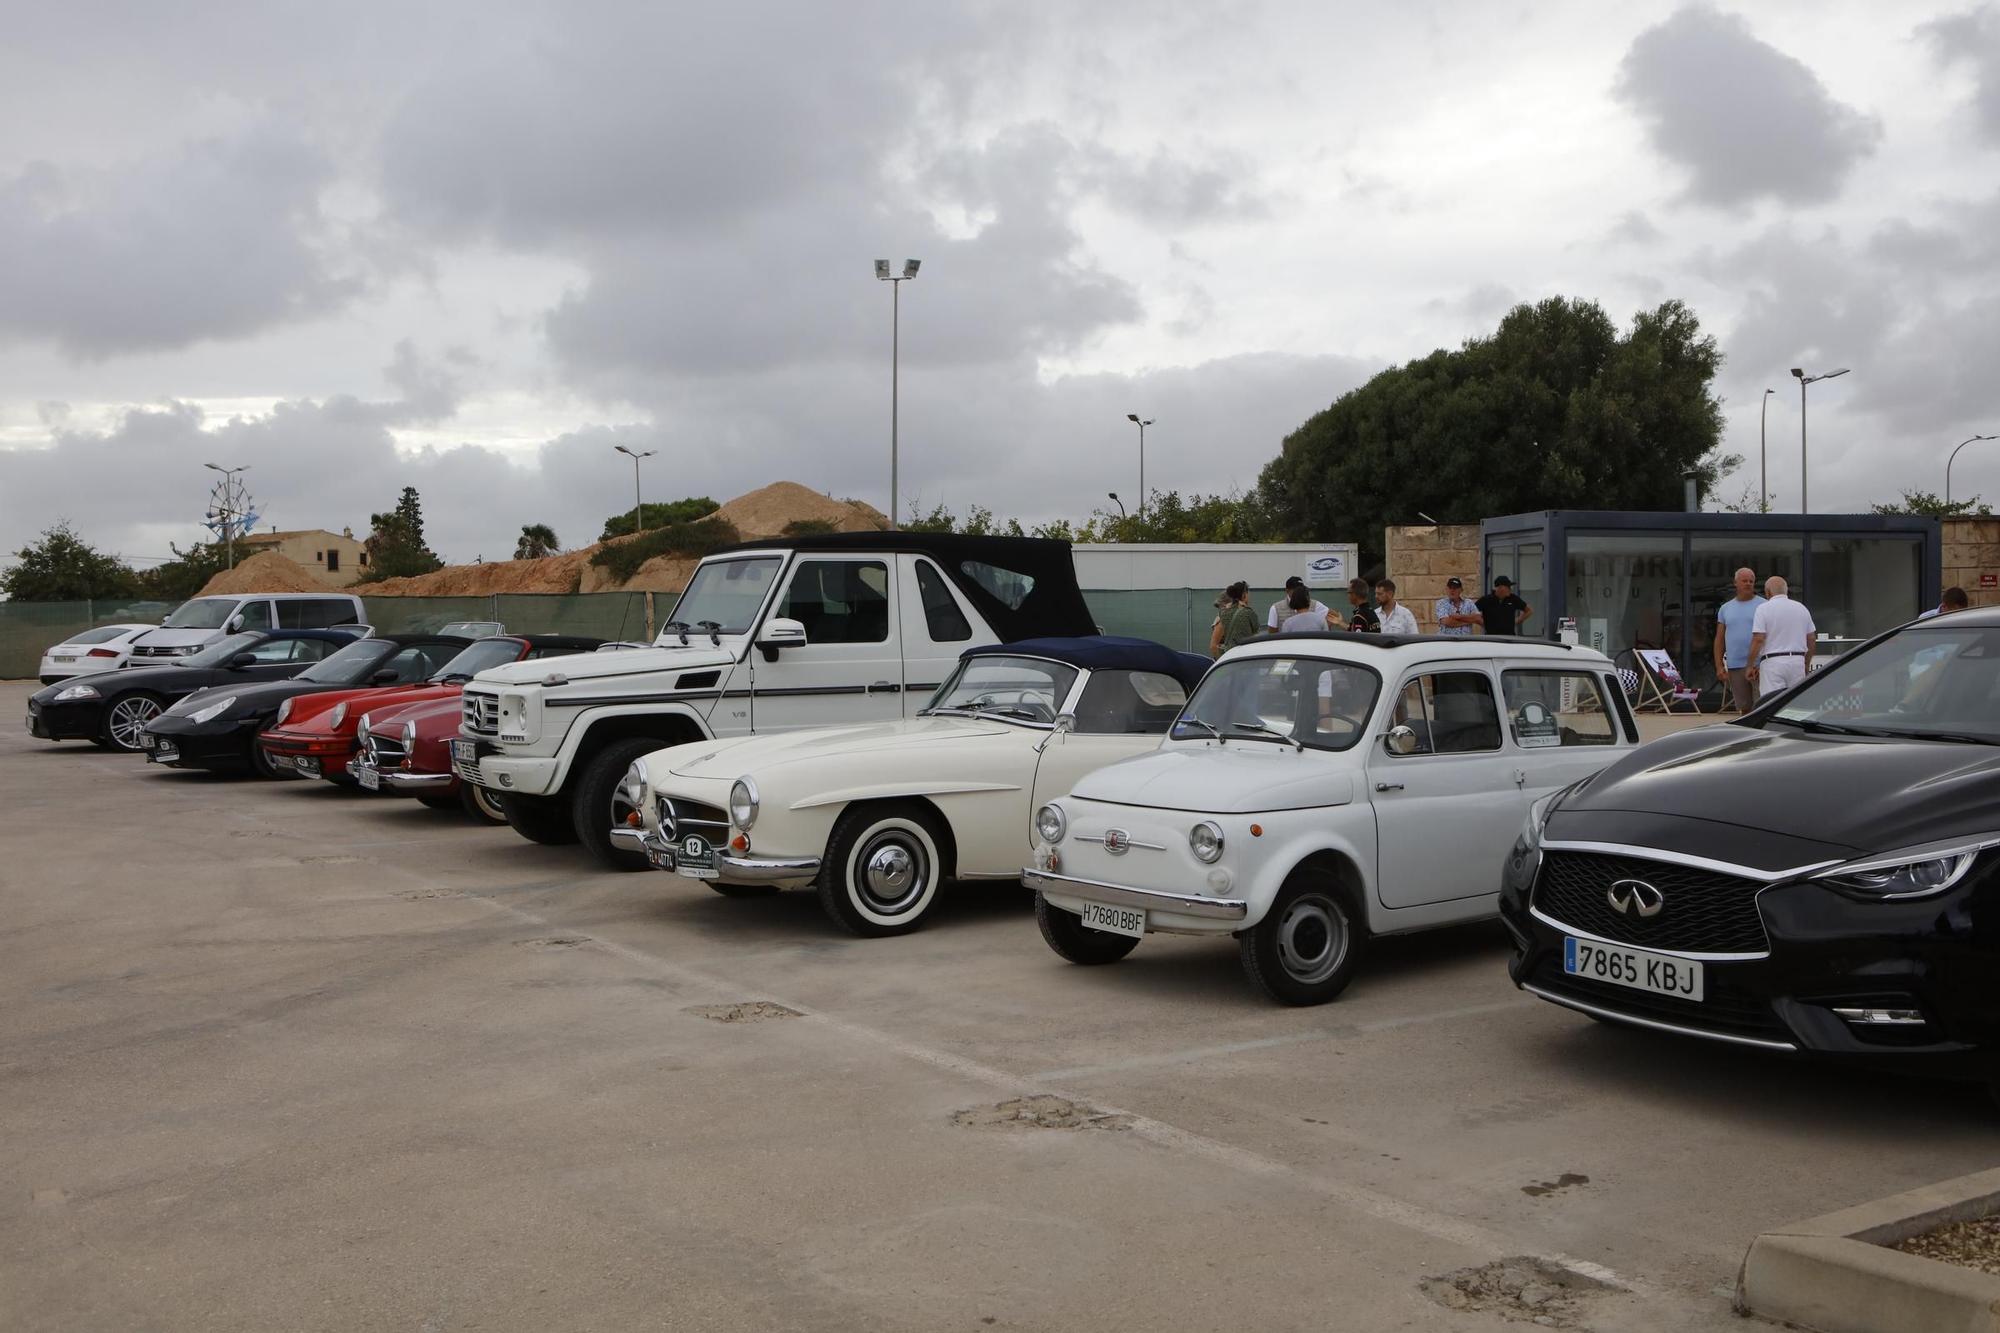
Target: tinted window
pixel 1556 708
pixel 1317 702
pixel 256 615
pixel 314 613
pixel 1128 703
pixel 839 601
pixel 946 622
pixel 1452 712
pixel 1008 586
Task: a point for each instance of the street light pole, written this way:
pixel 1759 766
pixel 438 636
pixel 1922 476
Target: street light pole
pixel 638 509
pixel 1954 458
pixel 882 272
pixel 1763 467
pixel 228 509
pixel 1133 417
pixel 1805 379
pixel 1120 503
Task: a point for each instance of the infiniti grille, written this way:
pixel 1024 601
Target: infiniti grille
pixel 1702 911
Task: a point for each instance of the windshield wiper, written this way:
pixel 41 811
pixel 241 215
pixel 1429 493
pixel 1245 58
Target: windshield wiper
pixel 1185 720
pixel 714 629
pixel 1259 729
pixel 450 676
pixel 1961 737
pixel 1817 727
pixel 680 627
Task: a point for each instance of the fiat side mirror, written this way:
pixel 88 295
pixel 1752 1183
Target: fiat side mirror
pixel 780 633
pixel 1400 740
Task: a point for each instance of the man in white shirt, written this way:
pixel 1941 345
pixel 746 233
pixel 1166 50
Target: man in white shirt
pixel 1954 600
pixel 1281 609
pixel 1782 640
pixel 1395 619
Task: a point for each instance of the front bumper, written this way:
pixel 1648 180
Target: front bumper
pixel 310 755
pixel 497 771
pixel 401 782
pixel 65 722
pixel 1067 888
pixel 731 868
pixel 202 745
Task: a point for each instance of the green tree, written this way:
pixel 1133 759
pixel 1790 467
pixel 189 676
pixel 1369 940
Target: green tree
pixel 537 540
pixel 187 573
pixel 1933 506
pixel 396 541
pixel 1555 409
pixel 62 567
pixel 659 515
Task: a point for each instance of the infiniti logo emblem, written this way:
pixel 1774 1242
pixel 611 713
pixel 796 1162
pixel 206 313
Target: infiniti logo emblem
pixel 1635 897
pixel 1116 840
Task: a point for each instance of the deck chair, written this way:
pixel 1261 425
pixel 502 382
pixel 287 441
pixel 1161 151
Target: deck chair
pixel 1661 684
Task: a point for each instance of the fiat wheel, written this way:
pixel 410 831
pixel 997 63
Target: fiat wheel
pixel 1307 947
pixel 125 721
pixel 1071 939
pixel 883 867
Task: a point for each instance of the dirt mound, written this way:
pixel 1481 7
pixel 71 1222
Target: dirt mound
pixel 663 573
pixel 767 512
pixel 265 571
pixel 556 573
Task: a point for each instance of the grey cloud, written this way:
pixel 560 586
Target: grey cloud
pixel 1635 228
pixel 216 241
pixel 1973 39
pixel 1746 120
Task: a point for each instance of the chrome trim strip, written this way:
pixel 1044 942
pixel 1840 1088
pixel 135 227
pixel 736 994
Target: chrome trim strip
pixel 1568 929
pixel 1129 842
pixel 1682 859
pixel 765 870
pixel 1153 900
pixel 1581 1006
pixel 631 839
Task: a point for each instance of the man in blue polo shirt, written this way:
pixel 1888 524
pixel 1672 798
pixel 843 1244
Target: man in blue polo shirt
pixel 1733 628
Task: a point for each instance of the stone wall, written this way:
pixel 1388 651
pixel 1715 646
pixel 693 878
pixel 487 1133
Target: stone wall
pixel 1421 557
pixel 1972 548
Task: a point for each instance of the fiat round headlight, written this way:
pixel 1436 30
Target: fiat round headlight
pixel 1051 823
pixel 1205 841
pixel 743 804
pixel 210 712
pixel 338 715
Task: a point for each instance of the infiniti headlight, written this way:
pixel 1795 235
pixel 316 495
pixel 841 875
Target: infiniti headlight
pixel 1051 823
pixel 210 712
pixel 743 804
pixel 1915 872
pixel 77 692
pixel 338 715
pixel 1205 841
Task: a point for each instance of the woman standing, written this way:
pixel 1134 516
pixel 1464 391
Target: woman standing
pixel 1236 623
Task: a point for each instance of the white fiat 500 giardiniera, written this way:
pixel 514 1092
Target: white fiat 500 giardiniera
pixel 879 817
pixel 1320 789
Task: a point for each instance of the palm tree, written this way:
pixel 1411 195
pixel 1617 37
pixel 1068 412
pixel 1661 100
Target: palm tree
pixel 537 540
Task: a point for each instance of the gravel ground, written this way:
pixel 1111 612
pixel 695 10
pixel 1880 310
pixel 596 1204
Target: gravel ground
pixel 1974 1244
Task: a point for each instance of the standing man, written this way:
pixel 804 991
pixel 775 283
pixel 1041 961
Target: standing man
pixel 1360 615
pixel 1395 619
pixel 1456 617
pixel 1735 624
pixel 1281 609
pixel 1501 611
pixel 1782 640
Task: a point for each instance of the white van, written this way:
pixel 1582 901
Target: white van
pixel 200 621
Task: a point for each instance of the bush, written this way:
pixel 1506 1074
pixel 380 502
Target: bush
pixel 694 539
pixel 810 527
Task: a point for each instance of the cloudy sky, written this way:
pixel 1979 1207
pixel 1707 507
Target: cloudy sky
pixel 471 246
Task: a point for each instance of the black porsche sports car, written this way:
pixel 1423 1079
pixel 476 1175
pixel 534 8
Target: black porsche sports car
pixel 112 708
pixel 218 727
pixel 1820 877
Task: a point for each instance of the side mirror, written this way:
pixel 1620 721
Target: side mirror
pixel 242 660
pixel 780 633
pixel 1065 723
pixel 235 624
pixel 385 676
pixel 1400 740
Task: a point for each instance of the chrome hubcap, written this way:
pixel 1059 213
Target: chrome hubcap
pixel 488 804
pixel 894 874
pixel 1312 938
pixel 129 717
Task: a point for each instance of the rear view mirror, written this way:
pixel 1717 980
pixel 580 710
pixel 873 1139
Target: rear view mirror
pixel 1400 740
pixel 780 633
pixel 242 660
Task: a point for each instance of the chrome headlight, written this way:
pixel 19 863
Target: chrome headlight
pixel 1914 872
pixel 743 804
pixel 409 737
pixel 1051 823
pixel 1205 841
pixel 284 711
pixel 338 715
pixel 77 692
pixel 632 787
pixel 210 712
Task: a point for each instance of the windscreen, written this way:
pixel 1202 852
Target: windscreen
pixel 478 657
pixel 727 592
pixel 202 613
pixel 350 664
pixel 219 652
pixel 1310 701
pixel 1019 689
pixel 1933 679
pixel 102 634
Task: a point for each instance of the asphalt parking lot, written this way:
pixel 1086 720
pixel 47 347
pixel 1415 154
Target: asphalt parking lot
pixel 275 1056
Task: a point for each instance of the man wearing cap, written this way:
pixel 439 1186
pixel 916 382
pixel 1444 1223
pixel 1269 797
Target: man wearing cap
pixel 1456 617
pixel 1500 611
pixel 1281 609
pixel 1782 640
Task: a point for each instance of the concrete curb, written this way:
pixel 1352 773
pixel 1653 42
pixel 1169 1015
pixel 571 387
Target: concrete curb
pixel 1834 1273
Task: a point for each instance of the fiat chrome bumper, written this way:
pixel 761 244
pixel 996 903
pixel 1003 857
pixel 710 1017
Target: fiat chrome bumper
pixel 1150 900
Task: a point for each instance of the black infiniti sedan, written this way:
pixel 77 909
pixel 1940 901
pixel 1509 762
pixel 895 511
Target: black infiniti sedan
pixel 112 708
pixel 218 728
pixel 1820 877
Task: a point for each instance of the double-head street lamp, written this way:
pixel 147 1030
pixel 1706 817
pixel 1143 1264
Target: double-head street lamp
pixel 1133 417
pixel 1805 379
pixel 1954 458
pixel 638 510
pixel 882 272
pixel 227 507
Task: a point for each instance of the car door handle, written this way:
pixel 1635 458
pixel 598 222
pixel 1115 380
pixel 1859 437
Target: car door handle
pixel 885 687
pixel 1388 786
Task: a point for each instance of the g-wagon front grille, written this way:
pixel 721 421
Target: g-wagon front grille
pixel 481 714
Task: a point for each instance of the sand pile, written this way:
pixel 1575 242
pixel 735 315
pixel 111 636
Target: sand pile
pixel 556 573
pixel 265 571
pixel 768 511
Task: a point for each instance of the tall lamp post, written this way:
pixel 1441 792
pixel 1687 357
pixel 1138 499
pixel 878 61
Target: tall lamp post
pixel 1133 417
pixel 1115 500
pixel 1805 379
pixel 1954 458
pixel 882 272
pixel 1763 467
pixel 638 509
pixel 227 506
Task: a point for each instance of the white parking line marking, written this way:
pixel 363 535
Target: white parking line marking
pixel 1196 1054
pixel 1358 1198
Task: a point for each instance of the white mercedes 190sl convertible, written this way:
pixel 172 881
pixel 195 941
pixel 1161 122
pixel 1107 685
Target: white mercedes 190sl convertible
pixel 879 816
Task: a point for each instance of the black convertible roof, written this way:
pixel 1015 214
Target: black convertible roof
pixel 1052 604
